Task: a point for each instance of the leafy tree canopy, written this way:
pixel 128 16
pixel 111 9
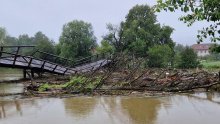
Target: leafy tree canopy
pixel 43 43
pixel 40 40
pixel 196 10
pixel 139 32
pixel 77 40
pixel 105 47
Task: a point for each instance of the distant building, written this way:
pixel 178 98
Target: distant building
pixel 201 49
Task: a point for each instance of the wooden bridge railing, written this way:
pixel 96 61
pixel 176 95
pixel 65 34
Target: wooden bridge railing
pixel 72 63
pixel 29 62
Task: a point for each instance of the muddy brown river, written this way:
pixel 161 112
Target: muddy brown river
pixel 198 108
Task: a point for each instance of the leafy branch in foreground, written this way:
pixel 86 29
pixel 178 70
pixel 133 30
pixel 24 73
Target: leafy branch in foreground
pixel 196 10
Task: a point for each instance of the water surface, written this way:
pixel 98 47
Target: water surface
pixel 198 108
pixel 10 74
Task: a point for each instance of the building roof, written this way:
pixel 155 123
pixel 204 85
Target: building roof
pixel 201 46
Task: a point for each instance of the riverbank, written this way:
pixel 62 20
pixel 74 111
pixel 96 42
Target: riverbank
pixel 124 82
pixel 148 82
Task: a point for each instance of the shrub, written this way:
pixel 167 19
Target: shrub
pixel 159 56
pixel 188 58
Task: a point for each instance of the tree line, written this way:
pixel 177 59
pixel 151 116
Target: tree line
pixel 140 35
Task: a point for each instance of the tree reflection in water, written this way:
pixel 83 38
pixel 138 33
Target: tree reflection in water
pixel 9 108
pixel 114 110
pixel 13 108
pixel 80 106
pixel 142 110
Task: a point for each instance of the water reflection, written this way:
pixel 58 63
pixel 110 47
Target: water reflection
pixel 191 109
pixel 10 108
pixel 80 107
pixel 142 110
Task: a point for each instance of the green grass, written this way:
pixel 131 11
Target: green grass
pixel 75 84
pixel 211 64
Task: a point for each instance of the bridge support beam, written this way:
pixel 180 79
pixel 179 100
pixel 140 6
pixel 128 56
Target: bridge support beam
pixel 32 73
pixel 24 73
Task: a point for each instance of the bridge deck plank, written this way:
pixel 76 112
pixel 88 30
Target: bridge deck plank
pixel 27 63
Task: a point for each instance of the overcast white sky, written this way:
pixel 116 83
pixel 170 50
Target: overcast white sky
pixel 48 16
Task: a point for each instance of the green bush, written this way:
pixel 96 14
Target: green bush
pixel 188 59
pixel 159 56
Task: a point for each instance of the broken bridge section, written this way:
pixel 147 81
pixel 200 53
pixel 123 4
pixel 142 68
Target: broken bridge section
pixel 10 57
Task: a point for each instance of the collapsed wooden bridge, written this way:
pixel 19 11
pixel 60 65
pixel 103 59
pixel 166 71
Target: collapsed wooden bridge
pixel 55 65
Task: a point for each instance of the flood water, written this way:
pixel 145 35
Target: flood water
pixel 7 75
pixel 10 74
pixel 199 108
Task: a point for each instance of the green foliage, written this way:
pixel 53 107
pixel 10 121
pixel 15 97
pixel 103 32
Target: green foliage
pixel 179 48
pixel 40 40
pixel 215 48
pixel 77 40
pixel 43 43
pixel 76 84
pixel 159 56
pixel 205 10
pixel 188 58
pixel 82 84
pixel 211 64
pixel 105 47
pixel 139 32
pixel 44 87
pixel 2 36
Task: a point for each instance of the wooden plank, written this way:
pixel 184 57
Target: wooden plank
pixel 42 67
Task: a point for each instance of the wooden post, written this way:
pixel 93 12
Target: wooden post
pixel 1 50
pixel 16 55
pixel 24 73
pixel 219 75
pixel 32 73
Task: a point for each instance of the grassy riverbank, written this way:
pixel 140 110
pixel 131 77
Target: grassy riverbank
pixel 211 64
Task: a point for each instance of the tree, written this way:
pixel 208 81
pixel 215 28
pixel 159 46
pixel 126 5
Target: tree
pixel 77 40
pixel 159 56
pixel 2 36
pixel 105 47
pixel 179 48
pixel 188 58
pixel 114 37
pixel 139 32
pixel 43 43
pixel 197 10
pixel 25 39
